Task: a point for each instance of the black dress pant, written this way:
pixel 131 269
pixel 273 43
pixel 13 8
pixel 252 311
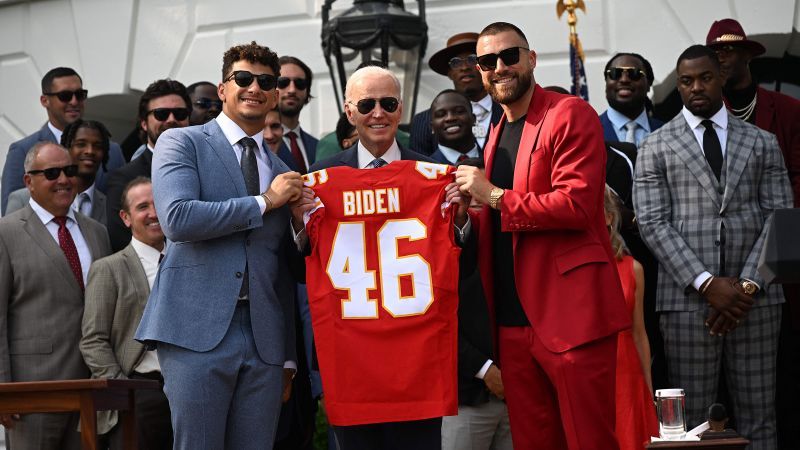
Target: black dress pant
pixel 416 434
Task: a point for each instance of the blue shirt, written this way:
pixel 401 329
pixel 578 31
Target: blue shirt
pixel 618 120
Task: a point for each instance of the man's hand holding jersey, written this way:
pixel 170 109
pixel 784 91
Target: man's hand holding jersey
pixel 286 187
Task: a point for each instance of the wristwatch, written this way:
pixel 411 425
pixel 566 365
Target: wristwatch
pixel 748 287
pixel 494 197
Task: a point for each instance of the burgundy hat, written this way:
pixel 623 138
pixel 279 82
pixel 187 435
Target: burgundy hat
pixel 730 32
pixel 457 44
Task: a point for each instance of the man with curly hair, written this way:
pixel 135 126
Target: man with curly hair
pixel 221 311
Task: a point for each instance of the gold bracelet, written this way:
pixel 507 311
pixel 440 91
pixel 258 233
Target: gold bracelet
pixel 706 284
pixel 269 202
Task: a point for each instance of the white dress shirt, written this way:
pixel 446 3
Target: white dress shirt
pixel 365 157
pixel 56 132
pixel 87 204
pixel 149 257
pixel 234 134
pixel 452 155
pixel 84 255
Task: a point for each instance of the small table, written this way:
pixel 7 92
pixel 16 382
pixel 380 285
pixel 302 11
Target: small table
pixel 710 444
pixel 84 396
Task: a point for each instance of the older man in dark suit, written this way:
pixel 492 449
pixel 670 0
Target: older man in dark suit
pixel 46 249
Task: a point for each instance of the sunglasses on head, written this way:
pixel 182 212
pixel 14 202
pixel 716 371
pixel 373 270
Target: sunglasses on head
pixel 509 56
pixel 53 173
pixel 634 74
pixel 66 96
pixel 300 83
pixel 244 78
pixel 366 105
pixel 162 114
pixel 457 62
pixel 207 103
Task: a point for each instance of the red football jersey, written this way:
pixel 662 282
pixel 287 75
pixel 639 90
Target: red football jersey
pixel 383 290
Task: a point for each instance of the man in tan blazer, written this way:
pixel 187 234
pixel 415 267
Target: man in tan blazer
pixel 45 252
pixel 115 298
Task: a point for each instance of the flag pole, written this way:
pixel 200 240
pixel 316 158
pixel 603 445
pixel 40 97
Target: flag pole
pixel 579 86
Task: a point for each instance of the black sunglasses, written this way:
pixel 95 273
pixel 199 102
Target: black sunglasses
pixel 634 74
pixel 207 103
pixel 244 78
pixel 510 56
pixel 366 105
pixel 53 173
pixel 457 62
pixel 162 114
pixel 300 83
pixel 66 96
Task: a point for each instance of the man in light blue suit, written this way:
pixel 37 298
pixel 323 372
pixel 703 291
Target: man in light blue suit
pixel 63 96
pixel 221 310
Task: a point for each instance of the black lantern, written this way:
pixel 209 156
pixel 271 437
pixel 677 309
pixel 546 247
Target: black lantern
pixel 379 31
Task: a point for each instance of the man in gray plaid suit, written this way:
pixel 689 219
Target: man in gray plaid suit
pixel 705 187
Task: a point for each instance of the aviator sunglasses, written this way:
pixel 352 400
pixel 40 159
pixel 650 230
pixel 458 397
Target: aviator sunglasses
pixel 300 83
pixel 53 173
pixel 162 114
pixel 634 74
pixel 366 105
pixel 458 62
pixel 66 96
pixel 509 56
pixel 244 78
pixel 207 103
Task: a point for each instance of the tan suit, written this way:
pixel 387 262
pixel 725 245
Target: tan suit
pixel 116 294
pixel 41 305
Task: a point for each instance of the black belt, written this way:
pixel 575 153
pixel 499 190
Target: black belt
pixel 148 376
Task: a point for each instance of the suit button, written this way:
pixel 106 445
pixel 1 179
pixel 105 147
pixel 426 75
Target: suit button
pixel 716 243
pixel 238 274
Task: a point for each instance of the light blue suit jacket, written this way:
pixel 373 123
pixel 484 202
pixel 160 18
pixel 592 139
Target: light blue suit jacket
pixel 215 230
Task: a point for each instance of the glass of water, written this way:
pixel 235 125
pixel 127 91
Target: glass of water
pixel 671 413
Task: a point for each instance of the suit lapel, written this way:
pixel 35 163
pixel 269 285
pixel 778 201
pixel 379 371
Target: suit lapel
pixel 91 238
pixel 98 206
pixel 349 157
pixel 39 234
pixel 138 275
pixel 680 138
pixel 530 134
pixel 490 147
pixel 311 150
pixel 216 140
pixel 737 152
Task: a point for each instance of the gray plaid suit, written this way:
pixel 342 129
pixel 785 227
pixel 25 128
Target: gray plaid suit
pixel 694 223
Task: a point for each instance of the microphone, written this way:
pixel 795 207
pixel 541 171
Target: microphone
pixel 717 417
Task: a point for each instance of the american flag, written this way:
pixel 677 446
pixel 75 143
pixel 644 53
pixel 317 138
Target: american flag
pixel 579 85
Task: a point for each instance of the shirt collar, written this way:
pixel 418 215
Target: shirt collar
pixel 56 132
pixel 486 102
pixel 45 216
pixel 365 157
pixel 233 133
pixel 296 130
pixel 619 120
pixel 145 251
pixel 452 154
pixel 720 118
pixel 89 193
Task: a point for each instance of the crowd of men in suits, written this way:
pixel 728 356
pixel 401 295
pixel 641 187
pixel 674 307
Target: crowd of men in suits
pixel 220 316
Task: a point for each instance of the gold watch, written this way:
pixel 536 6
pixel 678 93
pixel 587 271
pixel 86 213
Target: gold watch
pixel 494 197
pixel 748 287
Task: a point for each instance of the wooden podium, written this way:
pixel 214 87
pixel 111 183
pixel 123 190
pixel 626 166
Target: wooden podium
pixel 84 396
pixel 737 443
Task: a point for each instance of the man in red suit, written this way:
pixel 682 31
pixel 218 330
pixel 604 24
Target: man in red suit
pixel 546 261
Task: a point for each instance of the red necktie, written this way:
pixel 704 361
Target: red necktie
pixel 461 157
pixel 70 251
pixel 296 153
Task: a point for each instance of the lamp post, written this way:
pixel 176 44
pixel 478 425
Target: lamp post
pixel 377 31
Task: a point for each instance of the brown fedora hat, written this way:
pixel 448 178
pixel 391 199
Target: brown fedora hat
pixel 457 44
pixel 730 32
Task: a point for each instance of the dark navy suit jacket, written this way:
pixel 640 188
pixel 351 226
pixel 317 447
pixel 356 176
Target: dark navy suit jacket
pixel 610 135
pixel 309 142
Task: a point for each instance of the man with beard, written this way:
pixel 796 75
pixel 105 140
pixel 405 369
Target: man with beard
pixel 457 62
pixel 165 104
pixel 294 89
pixel 706 186
pixel 64 98
pixel 544 253
pixel 628 79
pixel 206 105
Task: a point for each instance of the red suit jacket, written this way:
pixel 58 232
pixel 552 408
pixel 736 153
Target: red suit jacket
pixel 563 264
pixel 780 115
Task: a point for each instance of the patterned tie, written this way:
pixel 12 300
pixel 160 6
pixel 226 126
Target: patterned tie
pixel 712 148
pixel 376 163
pixel 69 249
pixel 250 166
pixel 630 136
pixel 298 156
pixel 84 204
